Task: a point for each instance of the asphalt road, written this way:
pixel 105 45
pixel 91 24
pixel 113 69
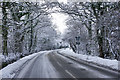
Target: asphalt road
pixel 55 65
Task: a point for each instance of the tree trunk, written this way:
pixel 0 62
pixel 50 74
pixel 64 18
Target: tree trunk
pixel 4 29
pixel 31 37
pixel 100 43
pixel 73 46
pixel 18 41
pixel 88 45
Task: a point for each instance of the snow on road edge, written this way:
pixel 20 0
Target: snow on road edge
pixel 113 64
pixel 10 70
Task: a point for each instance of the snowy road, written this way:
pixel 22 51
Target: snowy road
pixel 55 65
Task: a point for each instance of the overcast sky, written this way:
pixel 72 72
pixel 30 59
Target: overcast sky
pixel 58 19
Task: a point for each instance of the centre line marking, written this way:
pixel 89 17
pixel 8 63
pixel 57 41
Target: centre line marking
pixel 70 74
pixel 59 64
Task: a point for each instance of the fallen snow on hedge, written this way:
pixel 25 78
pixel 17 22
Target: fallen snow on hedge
pixel 93 59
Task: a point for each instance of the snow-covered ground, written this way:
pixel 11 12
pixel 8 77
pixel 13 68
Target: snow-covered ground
pixel 10 70
pixel 113 64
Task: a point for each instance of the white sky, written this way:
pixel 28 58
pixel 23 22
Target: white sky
pixel 64 1
pixel 59 21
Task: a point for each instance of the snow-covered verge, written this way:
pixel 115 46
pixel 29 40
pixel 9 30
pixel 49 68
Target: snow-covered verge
pixel 10 57
pixel 112 64
pixel 10 70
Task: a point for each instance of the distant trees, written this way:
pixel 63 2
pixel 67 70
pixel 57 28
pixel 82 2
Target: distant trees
pixel 23 24
pixel 90 17
pixel 46 34
pixel 26 27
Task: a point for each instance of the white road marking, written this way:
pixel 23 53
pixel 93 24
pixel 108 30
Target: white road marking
pixel 70 74
pixel 59 64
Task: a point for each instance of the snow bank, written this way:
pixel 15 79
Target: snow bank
pixel 10 57
pixel 10 70
pixel 113 64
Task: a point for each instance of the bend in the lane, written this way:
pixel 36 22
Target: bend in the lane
pixel 66 69
pixel 39 67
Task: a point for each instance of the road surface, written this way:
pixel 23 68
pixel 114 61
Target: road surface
pixel 55 65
